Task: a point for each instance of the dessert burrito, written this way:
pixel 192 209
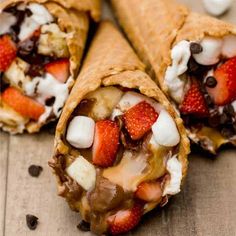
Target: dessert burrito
pixel 120 149
pixel 41 45
pixel 193 59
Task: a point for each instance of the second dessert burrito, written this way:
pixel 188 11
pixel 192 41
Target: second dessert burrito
pixel 193 59
pixel 41 45
pixel 120 148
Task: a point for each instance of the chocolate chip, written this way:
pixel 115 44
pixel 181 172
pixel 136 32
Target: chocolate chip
pixel 83 226
pixel 196 48
pixel 34 170
pixel 214 119
pixel 228 109
pixel 31 221
pixel 211 82
pixel 50 101
pixel 208 100
pixel 226 132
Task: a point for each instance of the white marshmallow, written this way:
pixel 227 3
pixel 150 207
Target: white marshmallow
pixel 174 167
pixel 211 51
pixel 229 46
pixel 80 132
pixel 116 112
pixel 180 56
pixel 83 172
pixel 131 99
pixel 217 7
pixel 6 21
pixel 165 131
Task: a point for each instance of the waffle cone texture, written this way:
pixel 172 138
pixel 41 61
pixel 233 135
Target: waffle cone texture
pixel 110 62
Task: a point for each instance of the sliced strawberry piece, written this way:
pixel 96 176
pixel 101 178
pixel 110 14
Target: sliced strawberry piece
pixel 149 191
pixel 106 142
pixel 194 102
pixel 225 90
pixel 22 104
pixel 139 119
pixel 7 52
pixel 125 220
pixel 59 69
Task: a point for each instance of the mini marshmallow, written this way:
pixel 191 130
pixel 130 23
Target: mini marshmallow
pixel 217 7
pixel 80 132
pixel 6 21
pixel 211 51
pixel 131 99
pixel 165 131
pixel 83 172
pixel 174 167
pixel 229 46
pixel 116 112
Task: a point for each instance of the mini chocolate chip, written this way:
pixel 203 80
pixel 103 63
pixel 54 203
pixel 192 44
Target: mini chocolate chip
pixel 34 170
pixel 196 48
pixel 211 82
pixel 208 100
pixel 193 66
pixel 228 109
pixel 226 132
pixel 32 222
pixel 83 226
pixel 50 101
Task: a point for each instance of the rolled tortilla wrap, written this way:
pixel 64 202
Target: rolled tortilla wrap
pixel 114 80
pixel 161 30
pixel 50 39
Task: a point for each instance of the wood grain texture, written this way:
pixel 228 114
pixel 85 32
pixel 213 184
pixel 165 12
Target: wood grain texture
pixel 205 207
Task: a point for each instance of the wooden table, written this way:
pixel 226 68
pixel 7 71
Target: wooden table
pixel 205 207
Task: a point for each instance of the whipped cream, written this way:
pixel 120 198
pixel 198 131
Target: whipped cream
pixel 80 132
pixel 48 87
pixel 180 56
pixel 165 131
pixel 83 172
pixel 217 7
pixel 174 167
pixel 6 21
pixel 40 16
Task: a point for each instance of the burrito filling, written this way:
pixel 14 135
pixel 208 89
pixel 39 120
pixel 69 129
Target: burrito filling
pixel 123 160
pixel 34 67
pixel 202 81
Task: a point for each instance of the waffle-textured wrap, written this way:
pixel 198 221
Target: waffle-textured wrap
pixel 110 61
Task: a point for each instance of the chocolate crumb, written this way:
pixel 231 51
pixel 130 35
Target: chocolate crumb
pixel 211 82
pixel 83 226
pixel 34 170
pixel 31 221
pixel 196 48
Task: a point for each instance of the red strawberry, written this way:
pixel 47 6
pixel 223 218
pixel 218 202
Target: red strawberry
pixel 106 142
pixel 59 69
pixel 125 220
pixel 149 191
pixel 139 119
pixel 7 52
pixel 194 102
pixel 225 90
pixel 22 104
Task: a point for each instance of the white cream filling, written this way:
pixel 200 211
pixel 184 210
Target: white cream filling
pixel 83 172
pixel 40 16
pixel 47 87
pixel 180 56
pixel 217 7
pixel 6 21
pixel 174 168
pixel 213 48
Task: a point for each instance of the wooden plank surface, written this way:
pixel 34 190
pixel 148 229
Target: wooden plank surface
pixel 205 207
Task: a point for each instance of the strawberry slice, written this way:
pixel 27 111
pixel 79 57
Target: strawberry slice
pixel 225 90
pixel 59 69
pixel 149 191
pixel 139 119
pixel 22 104
pixel 194 102
pixel 125 220
pixel 7 52
pixel 106 142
